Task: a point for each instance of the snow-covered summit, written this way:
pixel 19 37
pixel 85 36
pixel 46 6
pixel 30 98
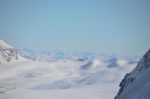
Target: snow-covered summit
pixel 5 44
pixel 136 85
pixel 8 53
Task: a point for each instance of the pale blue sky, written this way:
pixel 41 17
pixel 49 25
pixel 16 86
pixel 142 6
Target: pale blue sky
pixel 110 26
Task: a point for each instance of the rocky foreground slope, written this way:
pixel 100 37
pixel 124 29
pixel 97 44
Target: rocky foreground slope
pixel 136 84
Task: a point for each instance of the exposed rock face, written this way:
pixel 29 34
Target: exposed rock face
pixel 133 80
pixel 7 52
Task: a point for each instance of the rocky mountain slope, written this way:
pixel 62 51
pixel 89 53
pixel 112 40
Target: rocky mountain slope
pixel 8 53
pixel 136 84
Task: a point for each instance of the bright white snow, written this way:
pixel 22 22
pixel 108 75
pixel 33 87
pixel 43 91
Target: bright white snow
pixel 60 80
pixel 59 76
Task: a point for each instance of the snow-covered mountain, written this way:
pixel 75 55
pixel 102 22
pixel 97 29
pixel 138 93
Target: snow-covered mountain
pixel 49 73
pixel 56 55
pixel 8 53
pixel 47 56
pixel 29 54
pixel 136 84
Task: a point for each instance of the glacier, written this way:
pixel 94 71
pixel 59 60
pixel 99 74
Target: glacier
pixel 56 75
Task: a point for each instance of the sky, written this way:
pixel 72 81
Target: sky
pixel 100 26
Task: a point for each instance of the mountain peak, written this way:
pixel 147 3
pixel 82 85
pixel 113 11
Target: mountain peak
pixel 8 53
pixel 3 43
